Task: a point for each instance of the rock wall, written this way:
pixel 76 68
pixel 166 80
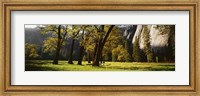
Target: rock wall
pixel 157 40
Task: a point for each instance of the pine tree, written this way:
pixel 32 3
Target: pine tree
pixel 129 48
pixel 136 50
pixel 147 46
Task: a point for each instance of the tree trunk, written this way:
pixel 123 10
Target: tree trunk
pixel 101 44
pixel 103 57
pixel 98 55
pixel 82 49
pixel 56 57
pixel 80 58
pixel 95 51
pixel 89 59
pixel 71 52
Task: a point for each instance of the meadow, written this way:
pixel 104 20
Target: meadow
pixel 46 65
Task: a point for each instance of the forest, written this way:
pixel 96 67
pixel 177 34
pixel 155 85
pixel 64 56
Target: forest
pixel 99 47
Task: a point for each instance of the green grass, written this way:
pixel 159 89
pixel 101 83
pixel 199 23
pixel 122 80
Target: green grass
pixel 46 65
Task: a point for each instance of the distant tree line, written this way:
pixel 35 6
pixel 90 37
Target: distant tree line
pixel 97 44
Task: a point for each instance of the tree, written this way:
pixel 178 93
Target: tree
pixel 83 42
pixel 136 50
pixel 89 41
pixel 31 51
pixel 119 53
pixel 171 44
pixel 170 48
pixel 114 57
pixel 101 42
pixel 55 61
pixel 89 46
pixel 114 54
pixel 74 33
pixel 147 46
pixel 128 43
pixel 115 38
pixel 129 50
pixel 54 43
pixel 49 45
pixel 122 55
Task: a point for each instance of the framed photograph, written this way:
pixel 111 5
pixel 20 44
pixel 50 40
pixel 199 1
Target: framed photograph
pixel 100 46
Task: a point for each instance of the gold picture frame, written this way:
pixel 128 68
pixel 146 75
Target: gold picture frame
pixel 122 5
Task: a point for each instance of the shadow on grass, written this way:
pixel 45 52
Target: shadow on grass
pixel 37 62
pixel 39 68
pixel 46 65
pixel 36 65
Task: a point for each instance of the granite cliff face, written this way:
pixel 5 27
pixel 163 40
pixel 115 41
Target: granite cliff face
pixel 156 39
pixel 162 40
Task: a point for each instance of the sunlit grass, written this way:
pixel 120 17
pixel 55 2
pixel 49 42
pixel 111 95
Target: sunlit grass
pixel 46 65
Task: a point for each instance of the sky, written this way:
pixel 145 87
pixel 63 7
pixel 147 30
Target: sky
pixel 30 26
